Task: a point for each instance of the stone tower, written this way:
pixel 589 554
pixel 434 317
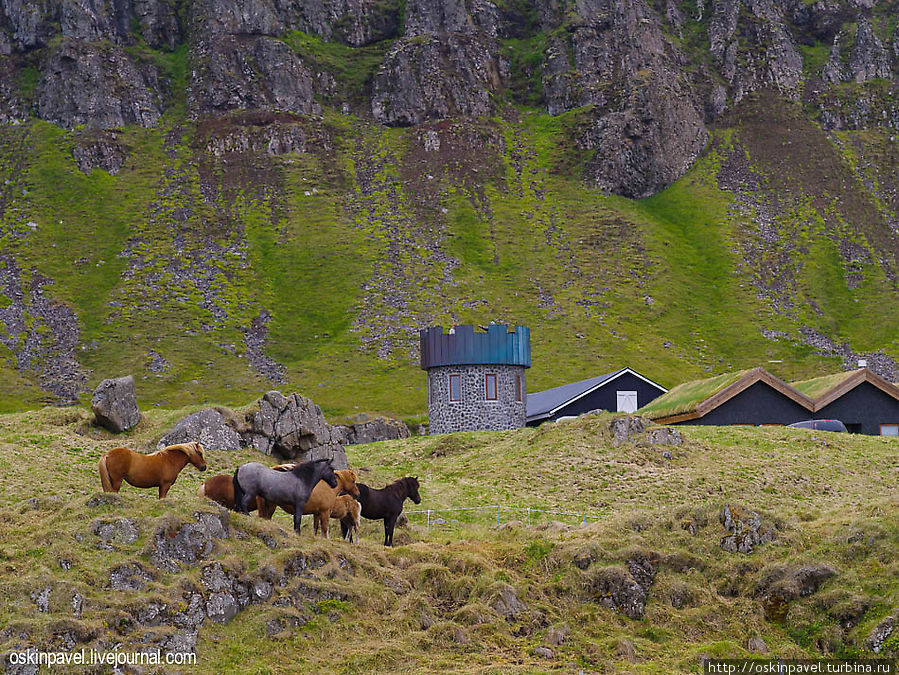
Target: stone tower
pixel 476 380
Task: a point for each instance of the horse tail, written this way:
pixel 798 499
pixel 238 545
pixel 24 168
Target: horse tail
pixel 238 494
pixel 105 480
pixel 202 490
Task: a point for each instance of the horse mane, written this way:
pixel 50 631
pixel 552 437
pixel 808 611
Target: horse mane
pixel 305 469
pixel 400 484
pixel 188 449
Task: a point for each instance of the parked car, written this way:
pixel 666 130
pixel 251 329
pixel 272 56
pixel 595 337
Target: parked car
pixel 820 425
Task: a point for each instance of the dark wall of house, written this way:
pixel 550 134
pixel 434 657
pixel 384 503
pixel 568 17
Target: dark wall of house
pixel 759 404
pixel 863 409
pixel 606 397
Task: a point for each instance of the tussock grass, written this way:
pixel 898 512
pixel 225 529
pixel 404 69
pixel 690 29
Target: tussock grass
pixel 432 603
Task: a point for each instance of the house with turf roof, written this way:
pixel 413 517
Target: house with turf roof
pixel 623 390
pixel 861 399
pixel 865 402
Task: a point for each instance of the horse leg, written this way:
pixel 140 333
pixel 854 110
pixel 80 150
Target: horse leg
pixel 164 488
pixel 297 517
pixel 266 508
pixel 325 518
pixel 389 524
pixel 345 531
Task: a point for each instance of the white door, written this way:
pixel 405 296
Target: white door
pixel 627 401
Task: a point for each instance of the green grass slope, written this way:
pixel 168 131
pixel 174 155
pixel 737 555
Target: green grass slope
pixel 340 251
pixel 442 600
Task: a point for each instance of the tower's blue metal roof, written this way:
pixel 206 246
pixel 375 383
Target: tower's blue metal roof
pixel 498 345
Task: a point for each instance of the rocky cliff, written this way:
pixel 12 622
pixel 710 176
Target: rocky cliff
pixel 274 178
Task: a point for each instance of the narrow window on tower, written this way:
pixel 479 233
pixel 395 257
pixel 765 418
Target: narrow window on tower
pixel 455 387
pixel 490 386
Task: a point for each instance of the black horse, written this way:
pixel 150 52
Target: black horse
pixel 294 486
pixel 386 504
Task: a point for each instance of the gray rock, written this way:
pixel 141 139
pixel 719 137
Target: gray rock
pixel 779 585
pixel 293 427
pixel 556 635
pixel 222 607
pixel 98 150
pixel 624 589
pixel 248 72
pixel 77 605
pixel 434 76
pixel 129 577
pixel 757 645
pixel 665 436
pixel 206 426
pixel 119 531
pixel 187 543
pixel 114 404
pixel 504 599
pixel 544 652
pixel 193 613
pixel 216 578
pixel 746 528
pixel 181 642
pixel 869 59
pixel 626 428
pixel 372 431
pixel 881 633
pixel 97 85
pixel 41 598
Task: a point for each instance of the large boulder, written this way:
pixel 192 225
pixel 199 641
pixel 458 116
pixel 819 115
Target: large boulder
pixel 293 427
pixel 747 529
pixel 208 426
pixel 115 404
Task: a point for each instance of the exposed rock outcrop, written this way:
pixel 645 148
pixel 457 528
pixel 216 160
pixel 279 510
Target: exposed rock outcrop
pixel 747 529
pixel 371 431
pixel 248 72
pixel 288 427
pixel 97 85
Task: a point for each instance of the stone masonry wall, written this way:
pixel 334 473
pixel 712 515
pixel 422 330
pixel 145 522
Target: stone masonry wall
pixel 474 412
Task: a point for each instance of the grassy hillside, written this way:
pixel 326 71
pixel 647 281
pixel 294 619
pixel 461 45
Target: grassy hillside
pixel 211 274
pixel 465 596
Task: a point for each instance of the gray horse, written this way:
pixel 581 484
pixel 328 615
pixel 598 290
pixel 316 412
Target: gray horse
pixel 253 480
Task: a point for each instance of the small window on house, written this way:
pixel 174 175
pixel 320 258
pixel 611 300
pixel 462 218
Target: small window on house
pixel 490 386
pixel 627 401
pixel 455 387
pixel 889 429
pixel 518 388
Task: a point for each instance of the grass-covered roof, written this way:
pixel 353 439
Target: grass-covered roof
pixel 818 386
pixel 685 397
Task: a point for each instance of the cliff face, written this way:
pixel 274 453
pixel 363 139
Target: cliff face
pixel 278 180
pixel 653 74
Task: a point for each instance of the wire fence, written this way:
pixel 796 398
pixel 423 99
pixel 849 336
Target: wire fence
pixel 472 514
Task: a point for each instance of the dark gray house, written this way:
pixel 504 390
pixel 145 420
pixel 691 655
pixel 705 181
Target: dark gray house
pixel 624 390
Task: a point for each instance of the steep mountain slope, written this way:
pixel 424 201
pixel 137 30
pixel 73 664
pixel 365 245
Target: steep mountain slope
pixel 221 196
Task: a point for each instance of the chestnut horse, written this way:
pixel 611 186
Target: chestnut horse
pixel 159 469
pixel 347 510
pixel 320 502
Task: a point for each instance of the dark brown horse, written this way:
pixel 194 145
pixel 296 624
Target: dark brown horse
pixel 386 504
pixel 159 469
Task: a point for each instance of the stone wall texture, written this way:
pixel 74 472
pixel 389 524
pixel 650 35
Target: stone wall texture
pixel 473 412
